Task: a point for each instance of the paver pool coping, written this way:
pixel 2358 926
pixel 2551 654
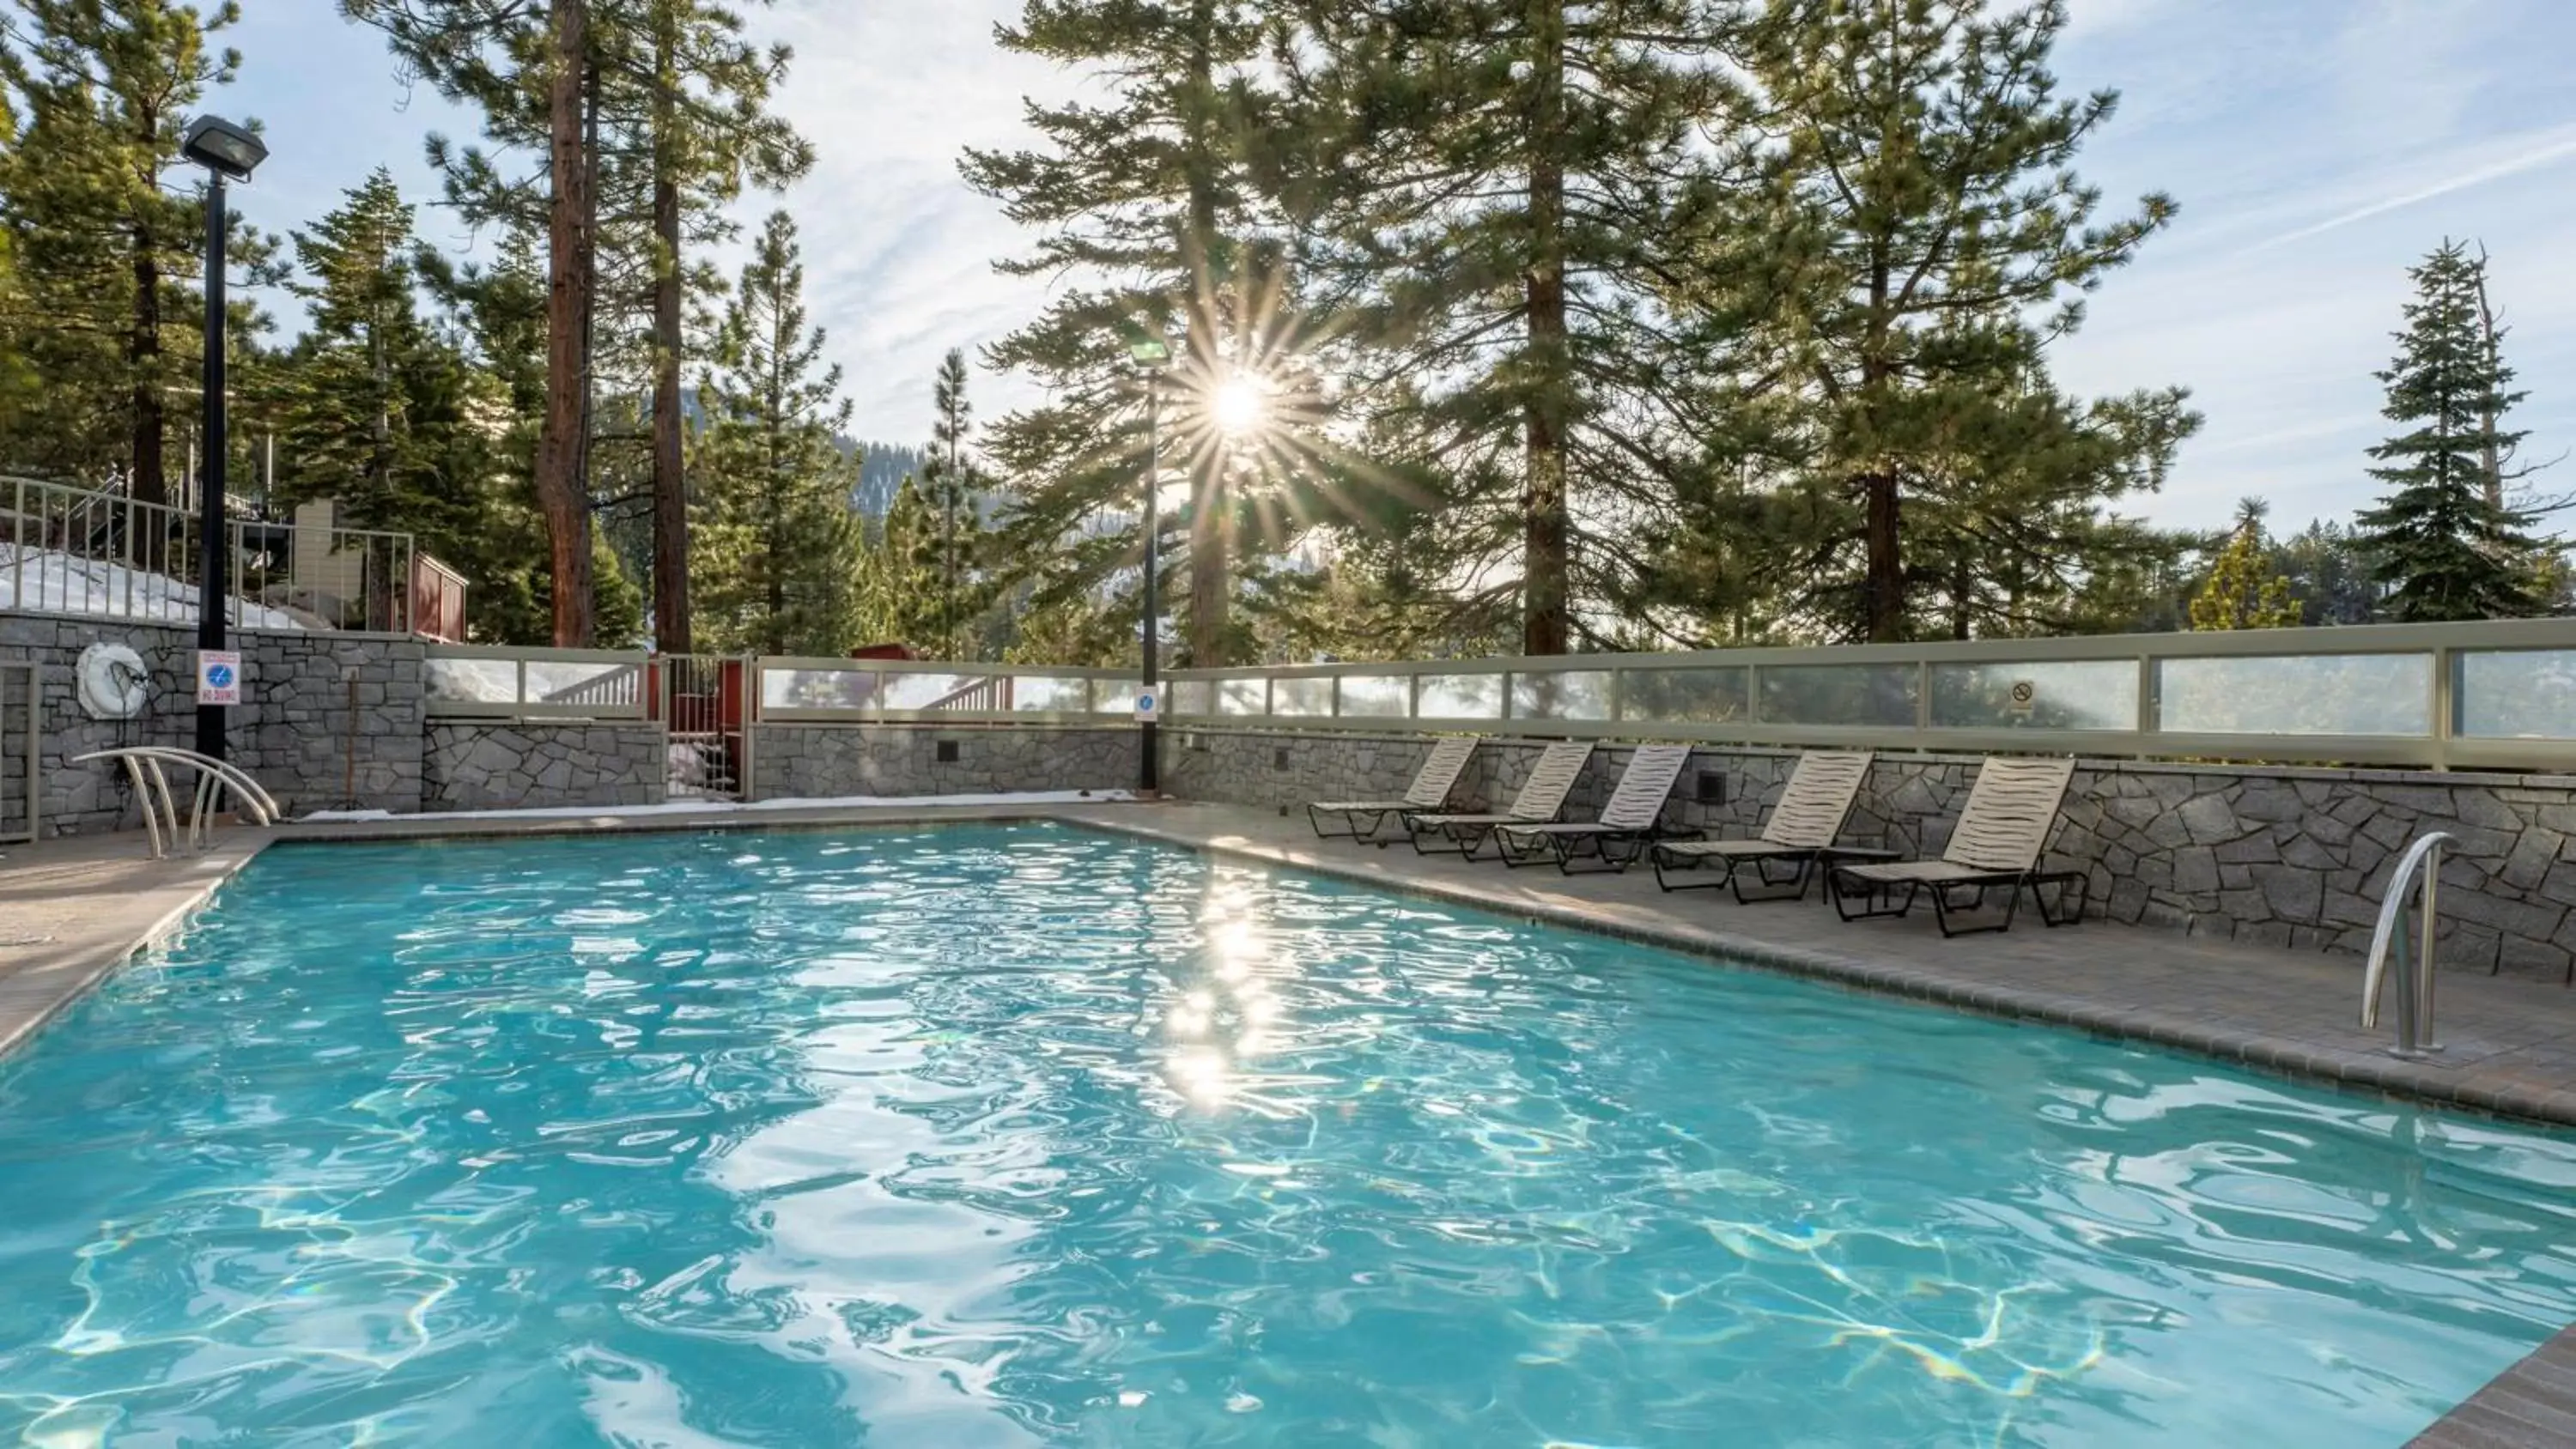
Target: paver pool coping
pixel 138 905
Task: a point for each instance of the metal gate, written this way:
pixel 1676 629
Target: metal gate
pixel 22 750
pixel 702 700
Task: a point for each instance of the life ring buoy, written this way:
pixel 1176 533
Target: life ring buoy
pixel 113 681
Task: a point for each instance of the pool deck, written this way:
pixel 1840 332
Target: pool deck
pixel 72 910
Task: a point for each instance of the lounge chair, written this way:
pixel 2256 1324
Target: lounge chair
pixel 1429 791
pixel 2011 812
pixel 1804 823
pixel 1631 821
pixel 1540 798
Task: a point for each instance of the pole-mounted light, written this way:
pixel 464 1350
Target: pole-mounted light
pixel 229 152
pixel 1151 355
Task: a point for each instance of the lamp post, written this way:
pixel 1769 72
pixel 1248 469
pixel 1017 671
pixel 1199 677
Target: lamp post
pixel 1151 356
pixel 229 153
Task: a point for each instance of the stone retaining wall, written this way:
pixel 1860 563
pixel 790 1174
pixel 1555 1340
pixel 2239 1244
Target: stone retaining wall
pixel 297 733
pixel 819 761
pixel 2285 857
pixel 511 764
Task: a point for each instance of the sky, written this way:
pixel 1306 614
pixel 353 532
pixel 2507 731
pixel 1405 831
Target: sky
pixel 2317 148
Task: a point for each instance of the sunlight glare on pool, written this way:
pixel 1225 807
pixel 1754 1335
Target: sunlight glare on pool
pixel 934 1139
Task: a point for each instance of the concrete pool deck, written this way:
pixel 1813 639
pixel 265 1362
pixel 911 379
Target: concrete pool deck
pixel 72 910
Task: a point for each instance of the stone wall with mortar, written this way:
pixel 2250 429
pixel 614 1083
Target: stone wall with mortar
pixel 511 764
pixel 328 719
pixel 2286 857
pixel 816 761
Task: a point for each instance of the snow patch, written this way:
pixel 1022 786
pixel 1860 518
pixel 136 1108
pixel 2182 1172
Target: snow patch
pixel 45 581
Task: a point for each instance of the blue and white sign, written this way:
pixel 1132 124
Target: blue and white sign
pixel 219 676
pixel 1149 707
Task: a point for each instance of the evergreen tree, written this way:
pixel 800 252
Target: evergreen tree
pixel 952 478
pixel 908 567
pixel 1917 238
pixel 1497 195
pixel 2444 543
pixel 1149 202
pixel 2243 592
pixel 103 249
pixel 2329 574
pixel 782 561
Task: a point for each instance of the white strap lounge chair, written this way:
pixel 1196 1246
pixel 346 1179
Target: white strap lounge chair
pixel 1541 797
pixel 1429 791
pixel 2001 835
pixel 1804 824
pixel 1631 821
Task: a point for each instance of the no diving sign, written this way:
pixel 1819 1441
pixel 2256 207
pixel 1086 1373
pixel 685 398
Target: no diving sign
pixel 218 676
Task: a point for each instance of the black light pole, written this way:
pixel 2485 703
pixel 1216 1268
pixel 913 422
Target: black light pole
pixel 1151 355
pixel 228 152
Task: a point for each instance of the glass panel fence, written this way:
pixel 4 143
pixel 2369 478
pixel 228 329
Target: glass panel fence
pixel 1116 696
pixel 1050 694
pixel 2317 694
pixel 2073 694
pixel 2521 694
pixel 1562 694
pixel 1461 696
pixel 1243 696
pixel 483 681
pixel 819 689
pixel 1194 696
pixel 1301 696
pixel 1377 696
pixel 1685 696
pixel 1881 695
pixel 940 691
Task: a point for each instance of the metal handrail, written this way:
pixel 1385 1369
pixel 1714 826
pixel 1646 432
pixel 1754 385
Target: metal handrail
pixel 2415 967
pixel 143 766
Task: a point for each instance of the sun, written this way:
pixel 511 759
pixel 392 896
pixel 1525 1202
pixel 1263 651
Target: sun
pixel 1239 406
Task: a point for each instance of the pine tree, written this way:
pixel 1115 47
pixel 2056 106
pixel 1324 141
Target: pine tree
pixel 2444 542
pixel 103 249
pixel 782 562
pixel 2243 591
pixel 908 565
pixel 952 478
pixel 1498 195
pixel 1150 203
pixel 1918 238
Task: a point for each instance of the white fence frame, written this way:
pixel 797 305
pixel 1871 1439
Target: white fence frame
pixel 1251 698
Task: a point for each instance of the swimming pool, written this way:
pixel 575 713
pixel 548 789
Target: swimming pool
pixel 1025 1135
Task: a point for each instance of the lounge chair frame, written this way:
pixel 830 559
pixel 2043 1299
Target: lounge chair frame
pixel 1431 788
pixel 1541 798
pixel 2002 833
pixel 1800 831
pixel 1630 823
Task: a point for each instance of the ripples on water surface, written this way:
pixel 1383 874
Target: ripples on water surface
pixel 1023 1136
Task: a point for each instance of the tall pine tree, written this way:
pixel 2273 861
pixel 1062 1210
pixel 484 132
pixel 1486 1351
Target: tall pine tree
pixel 782 558
pixel 953 478
pixel 103 247
pixel 1917 238
pixel 1148 201
pixel 1493 185
pixel 2442 539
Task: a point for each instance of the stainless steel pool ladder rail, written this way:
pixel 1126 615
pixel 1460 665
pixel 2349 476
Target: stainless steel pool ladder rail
pixel 152 788
pixel 2414 956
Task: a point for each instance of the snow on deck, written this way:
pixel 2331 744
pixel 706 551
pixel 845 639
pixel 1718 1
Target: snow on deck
pixel 45 581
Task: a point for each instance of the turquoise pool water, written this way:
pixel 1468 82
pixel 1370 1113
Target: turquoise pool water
pixel 1027 1136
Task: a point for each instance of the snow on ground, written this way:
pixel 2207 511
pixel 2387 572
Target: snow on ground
pixel 46 581
pixel 709 807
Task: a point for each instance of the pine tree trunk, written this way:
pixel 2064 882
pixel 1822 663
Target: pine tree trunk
pixel 2491 365
pixel 1210 588
pixel 1885 578
pixel 670 482
pixel 1545 625
pixel 149 482
pixel 560 491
